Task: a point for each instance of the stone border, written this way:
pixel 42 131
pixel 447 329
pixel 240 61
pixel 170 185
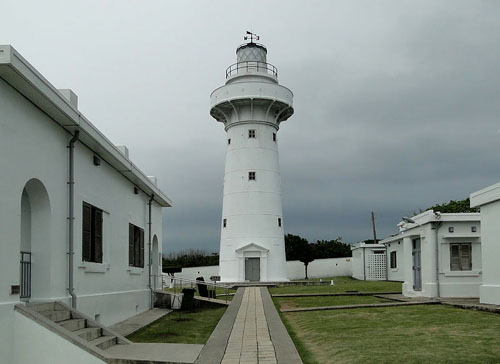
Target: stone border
pixel 331 294
pixel 368 305
pixel 285 350
pixel 214 349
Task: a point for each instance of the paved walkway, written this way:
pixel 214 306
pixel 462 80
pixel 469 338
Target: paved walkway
pixel 250 341
pixel 250 332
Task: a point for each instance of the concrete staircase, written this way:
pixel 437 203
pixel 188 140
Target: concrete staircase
pixel 101 341
pixel 76 327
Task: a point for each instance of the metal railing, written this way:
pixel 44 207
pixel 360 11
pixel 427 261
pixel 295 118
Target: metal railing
pixel 178 283
pixel 251 66
pixel 25 275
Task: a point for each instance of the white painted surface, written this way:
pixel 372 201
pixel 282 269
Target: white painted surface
pixel 252 100
pixel 365 262
pixel 33 343
pixel 397 273
pixel 451 283
pixel 489 201
pixel 33 149
pixel 319 268
pixel 295 269
pixel 205 271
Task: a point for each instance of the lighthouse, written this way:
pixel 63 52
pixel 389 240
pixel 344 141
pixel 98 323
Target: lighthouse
pixel 251 106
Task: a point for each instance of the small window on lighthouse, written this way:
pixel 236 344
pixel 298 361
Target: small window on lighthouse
pixel 224 222
pixel 229 141
pixel 274 137
pixel 251 176
pixel 251 133
pixel 279 221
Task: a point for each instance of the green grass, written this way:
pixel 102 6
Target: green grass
pixel 342 284
pixel 292 302
pixel 188 327
pixel 411 335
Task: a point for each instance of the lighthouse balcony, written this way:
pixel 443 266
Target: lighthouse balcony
pixel 248 67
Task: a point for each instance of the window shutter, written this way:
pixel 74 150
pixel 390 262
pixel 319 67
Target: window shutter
pixel 130 245
pixel 86 232
pixel 141 244
pixel 137 247
pixel 97 236
pixel 454 257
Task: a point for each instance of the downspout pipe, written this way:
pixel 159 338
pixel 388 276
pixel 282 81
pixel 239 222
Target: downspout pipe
pixel 436 227
pixel 364 264
pixel 386 264
pixel 150 202
pixel 71 216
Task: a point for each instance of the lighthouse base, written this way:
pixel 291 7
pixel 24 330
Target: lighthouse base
pixel 253 263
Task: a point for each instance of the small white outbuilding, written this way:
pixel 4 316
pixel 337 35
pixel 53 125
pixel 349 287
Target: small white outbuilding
pixel 369 261
pixel 437 255
pixel 488 199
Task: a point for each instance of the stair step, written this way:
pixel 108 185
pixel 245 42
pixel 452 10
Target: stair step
pixel 89 333
pixel 104 342
pixel 73 324
pixel 57 316
pixel 39 307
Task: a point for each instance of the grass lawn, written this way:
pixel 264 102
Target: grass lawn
pixel 190 327
pixel 342 284
pixel 410 335
pixel 293 302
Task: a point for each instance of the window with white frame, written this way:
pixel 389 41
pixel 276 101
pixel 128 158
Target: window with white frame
pixel 251 176
pixel 135 246
pixel 91 233
pixel 460 256
pixel 251 133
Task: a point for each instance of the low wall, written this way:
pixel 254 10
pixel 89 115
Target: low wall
pixel 295 269
pixel 319 268
pixel 192 272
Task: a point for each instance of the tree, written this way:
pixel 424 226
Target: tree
pixel 297 248
pixel 307 256
pixel 453 207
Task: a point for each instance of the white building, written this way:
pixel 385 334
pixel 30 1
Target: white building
pixel 252 105
pixel 368 261
pixel 438 255
pixel 78 218
pixel 394 254
pixel 488 199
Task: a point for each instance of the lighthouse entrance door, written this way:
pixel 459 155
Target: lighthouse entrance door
pixel 252 269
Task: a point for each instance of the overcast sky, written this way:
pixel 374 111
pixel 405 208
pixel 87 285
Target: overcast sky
pixel 397 103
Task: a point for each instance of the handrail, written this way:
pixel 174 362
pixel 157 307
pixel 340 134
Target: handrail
pixel 226 287
pixel 251 65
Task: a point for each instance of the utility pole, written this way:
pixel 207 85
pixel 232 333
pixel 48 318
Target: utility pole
pixel 374 232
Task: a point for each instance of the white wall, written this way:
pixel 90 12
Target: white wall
pixel 319 268
pixel 361 253
pixel 34 343
pixel 295 269
pixel 206 272
pixel 395 274
pixel 32 146
pixel 490 241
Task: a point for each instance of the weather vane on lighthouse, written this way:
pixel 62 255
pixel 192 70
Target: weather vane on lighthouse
pixel 252 36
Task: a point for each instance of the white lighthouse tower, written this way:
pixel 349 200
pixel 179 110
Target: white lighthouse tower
pixel 252 105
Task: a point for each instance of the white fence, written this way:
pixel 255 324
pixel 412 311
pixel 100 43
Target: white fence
pixel 295 269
